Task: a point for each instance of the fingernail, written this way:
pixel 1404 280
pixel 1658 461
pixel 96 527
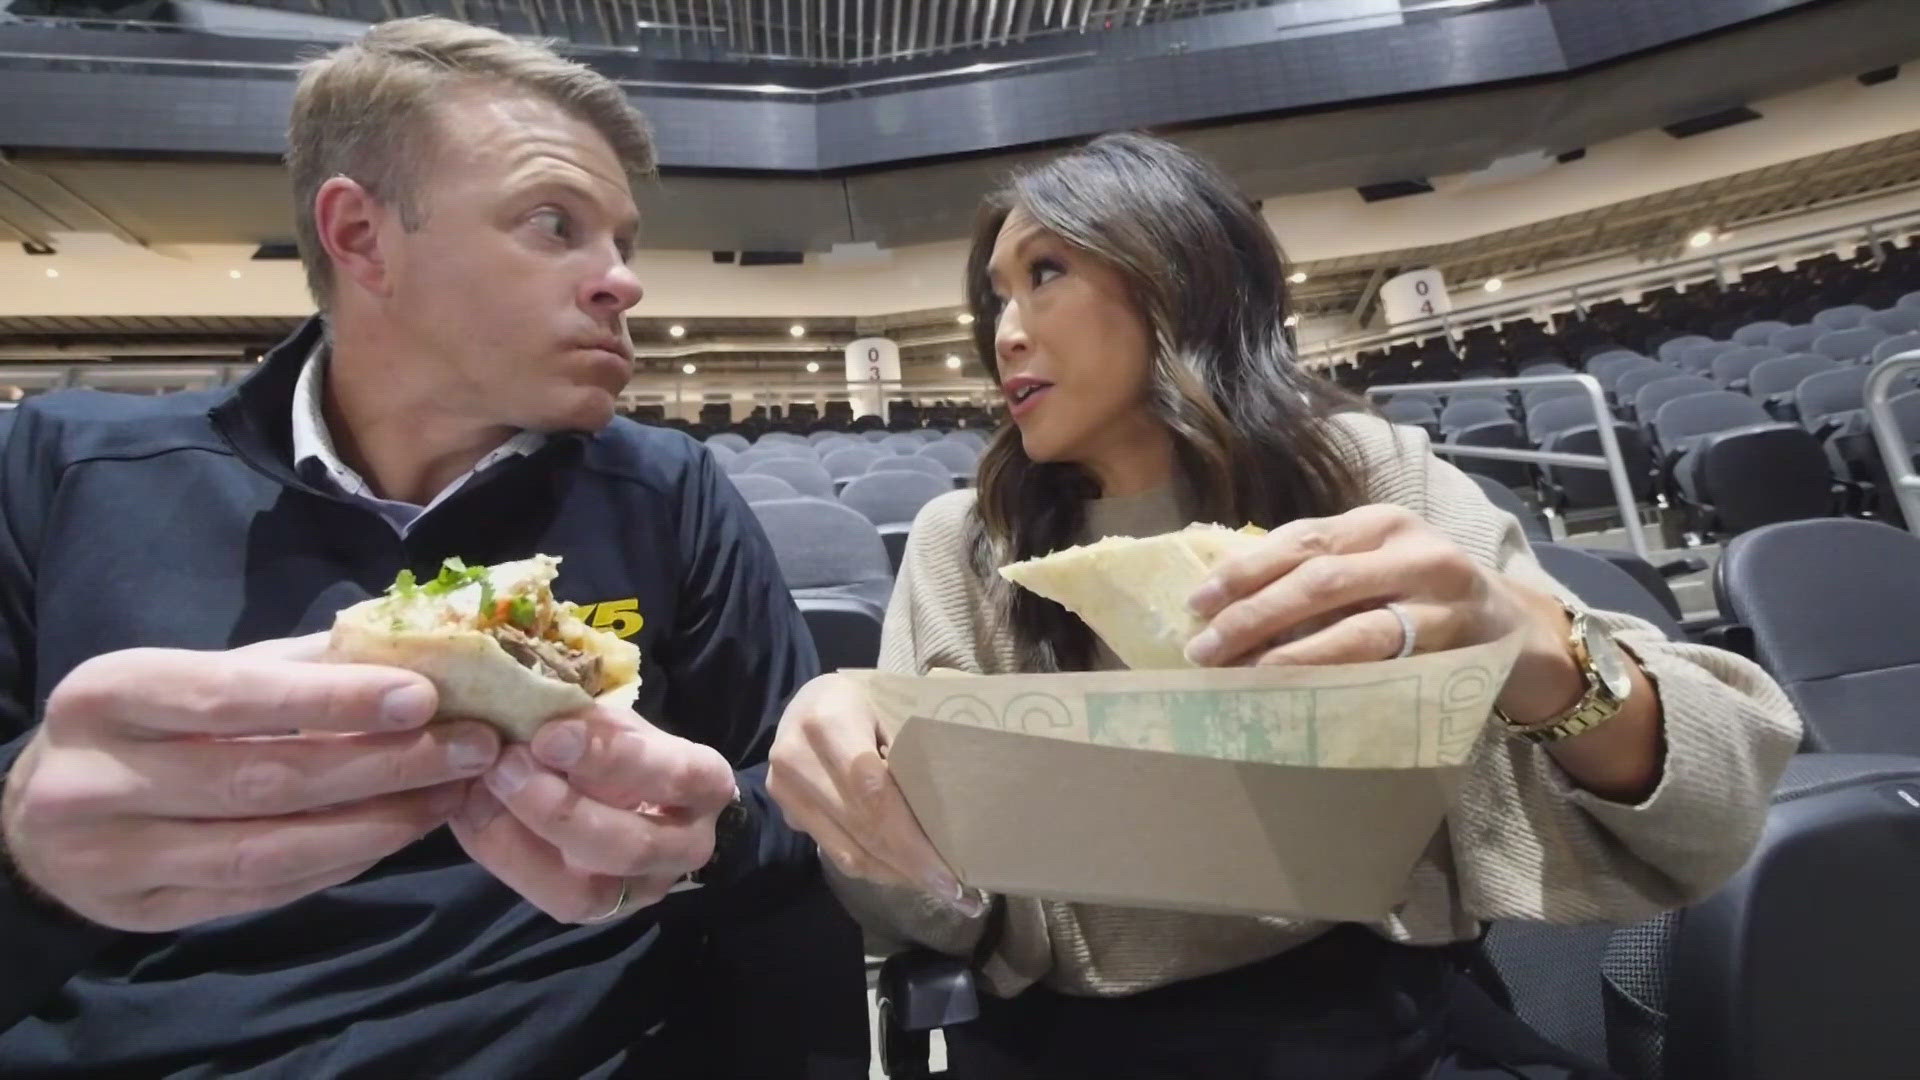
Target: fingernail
pixel 561 745
pixel 1207 599
pixel 480 810
pixel 470 749
pixel 408 705
pixel 510 774
pixel 944 887
pixel 1204 644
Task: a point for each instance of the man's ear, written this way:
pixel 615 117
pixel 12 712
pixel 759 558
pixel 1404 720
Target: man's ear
pixel 350 221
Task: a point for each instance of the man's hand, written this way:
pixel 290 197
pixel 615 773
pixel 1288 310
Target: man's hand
pixel 167 788
pixel 601 809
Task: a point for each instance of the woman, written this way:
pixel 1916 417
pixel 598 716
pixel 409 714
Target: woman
pixel 1130 302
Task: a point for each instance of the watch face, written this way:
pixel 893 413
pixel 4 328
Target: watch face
pixel 1609 661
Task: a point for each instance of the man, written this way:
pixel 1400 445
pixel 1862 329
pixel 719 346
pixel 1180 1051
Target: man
pixel 230 861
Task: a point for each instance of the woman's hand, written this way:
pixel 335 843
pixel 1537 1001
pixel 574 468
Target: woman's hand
pixel 1314 591
pixel 828 772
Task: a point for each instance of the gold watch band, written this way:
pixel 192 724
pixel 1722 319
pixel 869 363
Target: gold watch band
pixel 1595 707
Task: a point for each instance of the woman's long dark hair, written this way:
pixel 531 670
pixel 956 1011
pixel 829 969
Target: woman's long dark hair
pixel 1248 426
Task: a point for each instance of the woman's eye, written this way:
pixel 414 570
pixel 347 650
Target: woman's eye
pixel 1045 270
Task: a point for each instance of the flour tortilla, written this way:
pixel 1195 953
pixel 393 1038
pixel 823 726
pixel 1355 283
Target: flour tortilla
pixel 1133 592
pixel 476 678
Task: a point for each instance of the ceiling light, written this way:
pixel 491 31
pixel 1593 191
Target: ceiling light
pixel 797 330
pixel 51 272
pixel 688 369
pixel 966 318
pixel 1298 277
pixel 234 274
pixel 1494 284
pixel 813 367
pixel 676 330
pixel 953 362
pixel 1700 239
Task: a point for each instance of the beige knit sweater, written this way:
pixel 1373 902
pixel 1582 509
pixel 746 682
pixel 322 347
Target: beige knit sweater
pixel 1520 843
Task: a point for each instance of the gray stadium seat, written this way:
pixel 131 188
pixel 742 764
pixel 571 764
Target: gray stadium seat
pixel 736 443
pixel 902 442
pixel 890 499
pixel 1558 414
pixel 875 435
pixel 845 630
pixel 1608 368
pixel 928 435
pixel 1568 488
pixel 1504 434
pixel 911 463
pixel 1801 965
pixel 1480 393
pixel 776 438
pixel 826 549
pixel 1732 368
pixel 835 442
pixel 959 458
pixel 1844 317
pixel 1429 397
pixel 847 463
pixel 1412 412
pixel 1774 383
pixel 721 452
pixel 1652 396
pixel 1831 394
pixel 746 461
pixel 1464 413
pixel 1795 339
pixel 1758 333
pixel 1910 302
pixel 1545 365
pixel 807 476
pixel 1607 357
pixel 1735 468
pixel 1504 497
pixel 1849 346
pixel 1698 359
pixel 1830 605
pixel 1671 349
pixel 1604 584
pixel 1895 320
pixel 760 487
pixel 1628 385
pixel 818 437
pixel 1896 345
pixel 979 439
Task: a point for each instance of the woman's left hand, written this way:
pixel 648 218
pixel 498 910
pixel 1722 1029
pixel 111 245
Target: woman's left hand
pixel 1313 591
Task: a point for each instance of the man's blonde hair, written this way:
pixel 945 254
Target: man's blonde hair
pixel 366 111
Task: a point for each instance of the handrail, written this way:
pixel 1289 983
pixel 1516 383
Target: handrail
pixel 1703 267
pixel 1609 458
pixel 1888 436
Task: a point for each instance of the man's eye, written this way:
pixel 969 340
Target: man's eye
pixel 552 222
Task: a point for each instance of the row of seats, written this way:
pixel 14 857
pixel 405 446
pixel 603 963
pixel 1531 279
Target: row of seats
pixel 821 467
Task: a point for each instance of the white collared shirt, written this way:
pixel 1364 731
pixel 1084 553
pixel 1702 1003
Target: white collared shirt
pixel 313 444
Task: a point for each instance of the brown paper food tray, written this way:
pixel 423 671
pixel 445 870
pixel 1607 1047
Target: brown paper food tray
pixel 1307 792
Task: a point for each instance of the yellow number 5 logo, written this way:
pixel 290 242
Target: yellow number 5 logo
pixel 621 618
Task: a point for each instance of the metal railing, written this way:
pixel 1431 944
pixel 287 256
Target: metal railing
pixel 1608 460
pixel 1893 443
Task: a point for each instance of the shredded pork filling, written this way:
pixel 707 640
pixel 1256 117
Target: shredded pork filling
pixel 552 659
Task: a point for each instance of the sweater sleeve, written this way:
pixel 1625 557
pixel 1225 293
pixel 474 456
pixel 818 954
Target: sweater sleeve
pixel 931 623
pixel 1527 842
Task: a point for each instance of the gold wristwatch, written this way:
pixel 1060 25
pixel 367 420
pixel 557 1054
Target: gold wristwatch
pixel 1604 665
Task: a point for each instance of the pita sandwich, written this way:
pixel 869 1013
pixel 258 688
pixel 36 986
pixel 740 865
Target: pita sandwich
pixel 1133 592
pixel 494 642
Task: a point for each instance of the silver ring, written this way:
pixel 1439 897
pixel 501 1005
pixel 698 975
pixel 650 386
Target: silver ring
pixel 1406 630
pixel 619 906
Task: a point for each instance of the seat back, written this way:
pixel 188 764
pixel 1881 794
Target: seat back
pixel 1671 348
pixel 721 452
pixel 1910 302
pixel 759 487
pixel 893 497
pixel 1603 584
pixel 1736 365
pixel 1802 964
pixel 1828 603
pixel 902 442
pixel 1795 338
pixel 1896 344
pixel 1761 474
pixel 747 461
pixel 1432 399
pixel 1628 386
pixel 1505 498
pixel 807 476
pixel 1653 396
pixel 1782 375
pixel 852 461
pixel 1849 346
pixel 1844 317
pixel 1758 333
pixel 1466 412
pixel 1699 358
pixel 1895 320
pixel 1687 416
pixel 1611 365
pixel 845 630
pixel 1583 488
pixel 1558 414
pixel 912 463
pixel 821 544
pixel 1830 393
pixel 959 458
pixel 1411 411
pixel 734 442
